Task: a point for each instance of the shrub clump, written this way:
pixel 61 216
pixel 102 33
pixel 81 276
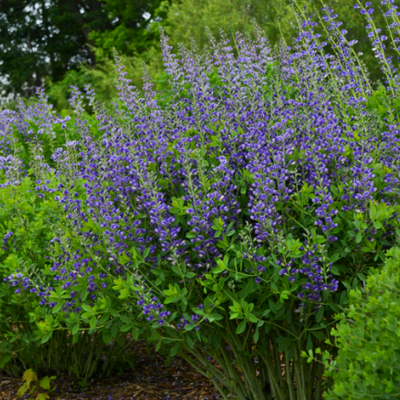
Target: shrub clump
pixel 368 361
pixel 223 218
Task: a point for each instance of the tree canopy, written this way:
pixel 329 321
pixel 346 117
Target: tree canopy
pixel 40 38
pixel 64 42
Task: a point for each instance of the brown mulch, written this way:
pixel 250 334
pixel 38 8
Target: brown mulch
pixel 149 381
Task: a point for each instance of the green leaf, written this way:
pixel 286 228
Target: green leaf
pixel 174 350
pixel 335 271
pixel 29 376
pixel 320 239
pixel 372 212
pixel 241 327
pixel 42 396
pixel 189 327
pixel 256 335
pixel 84 294
pixel 362 277
pixel 46 337
pixel 272 306
pixel 334 307
pixel 169 300
pixel 57 308
pixel 366 249
pixel 265 313
pixel 4 359
pixel 320 314
pixel 135 333
pixel 377 225
pixel 114 330
pixel 75 329
pixel 107 337
pixel 87 308
pixel 252 318
pixel 104 318
pixel 125 319
pixel 284 343
pixel 319 335
pixel 22 390
pixel 46 381
pixel 284 296
pixel 126 328
pixel 189 341
pixel 215 317
pixel 93 322
pixel 146 252
pixel 124 259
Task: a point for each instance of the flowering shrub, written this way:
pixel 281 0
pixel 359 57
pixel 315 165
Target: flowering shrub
pixel 28 331
pixel 226 217
pixel 367 364
pixel 23 228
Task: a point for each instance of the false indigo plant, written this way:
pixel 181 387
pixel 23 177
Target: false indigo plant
pixel 224 217
pixel 28 334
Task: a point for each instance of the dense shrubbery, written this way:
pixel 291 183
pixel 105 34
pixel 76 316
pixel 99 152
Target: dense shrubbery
pixel 368 365
pixel 27 337
pixel 275 17
pixel 224 218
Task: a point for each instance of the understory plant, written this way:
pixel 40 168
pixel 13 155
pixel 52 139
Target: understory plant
pixel 33 388
pixel 33 336
pixel 226 217
pixel 367 365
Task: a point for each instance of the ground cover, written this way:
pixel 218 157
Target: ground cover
pixel 150 381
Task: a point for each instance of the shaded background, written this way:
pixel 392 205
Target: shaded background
pixel 58 43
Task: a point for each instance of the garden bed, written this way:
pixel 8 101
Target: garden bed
pixel 150 381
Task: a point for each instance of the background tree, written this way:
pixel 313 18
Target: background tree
pixel 47 38
pixel 66 42
pixel 128 31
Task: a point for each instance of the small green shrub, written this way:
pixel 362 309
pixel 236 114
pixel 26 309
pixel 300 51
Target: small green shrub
pixel 34 387
pixel 24 221
pixel 368 362
pixel 33 336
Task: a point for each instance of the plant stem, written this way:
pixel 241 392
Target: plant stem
pixel 318 384
pixel 204 373
pixel 289 377
pixel 271 373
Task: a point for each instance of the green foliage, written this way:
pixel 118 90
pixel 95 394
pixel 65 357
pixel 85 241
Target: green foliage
pixel 248 309
pixel 32 336
pixel 28 218
pixel 368 362
pixel 139 44
pixel 229 15
pixel 257 316
pixel 103 77
pixel 128 32
pixel 33 387
pixel 76 39
pixel 45 39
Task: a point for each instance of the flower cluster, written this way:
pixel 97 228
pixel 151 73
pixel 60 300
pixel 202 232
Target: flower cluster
pixel 278 143
pixel 6 237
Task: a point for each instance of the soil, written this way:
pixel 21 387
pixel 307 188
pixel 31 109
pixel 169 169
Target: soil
pixel 150 380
